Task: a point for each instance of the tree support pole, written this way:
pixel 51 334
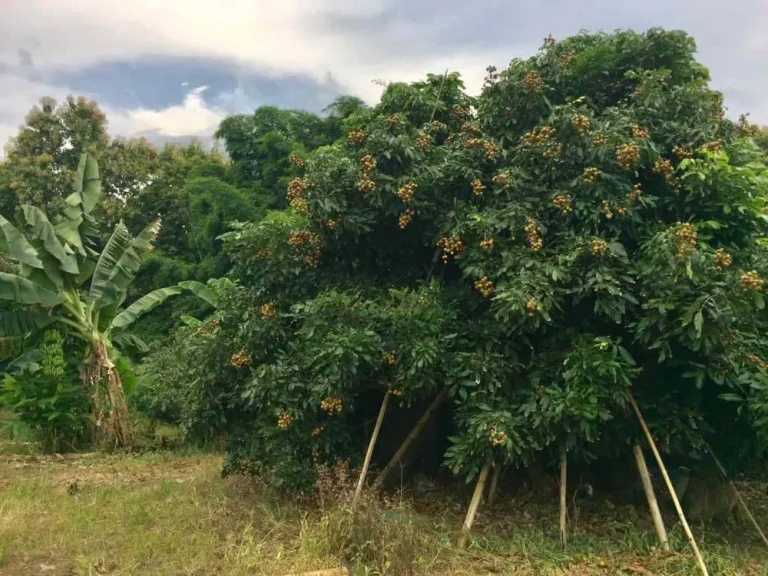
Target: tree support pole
pixel 410 439
pixel 650 495
pixel 369 453
pixel 475 503
pixel 670 487
pixel 563 502
pixel 738 495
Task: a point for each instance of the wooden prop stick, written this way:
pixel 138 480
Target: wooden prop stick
pixel 475 503
pixel 737 494
pixel 670 487
pixel 563 503
pixel 369 453
pixel 410 439
pixel 650 495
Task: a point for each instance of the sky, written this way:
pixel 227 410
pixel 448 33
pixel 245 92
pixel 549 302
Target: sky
pixel 172 69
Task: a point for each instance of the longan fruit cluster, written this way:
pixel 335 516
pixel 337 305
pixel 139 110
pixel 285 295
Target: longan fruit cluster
pixel 581 123
pixel 497 437
pixel 423 141
pixel 405 218
pixel 539 136
pixel 598 247
pixel 458 113
pixel 332 223
pixel 563 203
pixel 491 150
pixel 263 254
pixel 605 208
pixel 309 242
pixel 284 420
pixel 757 361
pixel 451 246
pixel 268 310
pixel 591 174
pixel 470 128
pixel 502 179
pixel 751 281
pixel 745 128
pixel 532 306
pixel 714 146
pixel 533 82
pixel 392 121
pixel 357 136
pixel 295 194
pixel 297 161
pixel 682 151
pixel 627 156
pixel 640 132
pixel 366 185
pixel 566 59
pixel 396 392
pixel 406 192
pixel 723 260
pixel 389 358
pixel 332 405
pixel 367 164
pixel 486 244
pixel 317 430
pixel 600 140
pixel 663 167
pixel 484 286
pixel 532 235
pixel 686 239
pixel 240 359
pixel 474 143
pixel 478 188
pixel 635 194
pixel 552 152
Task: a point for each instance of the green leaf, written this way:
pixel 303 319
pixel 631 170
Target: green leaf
pixel 759 300
pixel 16 245
pixel 69 231
pixel 124 339
pixel 25 291
pixel 201 291
pixel 43 230
pixel 87 184
pixel 20 324
pixel 191 321
pixel 116 246
pixel 698 322
pixel 143 305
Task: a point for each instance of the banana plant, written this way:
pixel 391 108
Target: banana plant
pixel 62 278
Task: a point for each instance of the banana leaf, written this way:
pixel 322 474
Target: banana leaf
pixel 17 246
pixel 201 291
pixel 143 305
pixel 21 324
pixel 25 291
pixel 43 230
pixel 116 246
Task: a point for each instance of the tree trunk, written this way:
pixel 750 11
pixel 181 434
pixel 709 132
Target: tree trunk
pixel 369 454
pixel 497 468
pixel 670 487
pixel 410 439
pixel 111 416
pixel 563 502
pixel 650 495
pixel 475 503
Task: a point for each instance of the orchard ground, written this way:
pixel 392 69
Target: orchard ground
pixel 169 513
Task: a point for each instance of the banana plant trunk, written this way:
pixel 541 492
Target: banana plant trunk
pixel 108 397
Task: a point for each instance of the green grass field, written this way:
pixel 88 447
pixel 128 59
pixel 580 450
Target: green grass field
pixel 172 514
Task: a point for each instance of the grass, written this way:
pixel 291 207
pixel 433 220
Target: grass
pixel 172 514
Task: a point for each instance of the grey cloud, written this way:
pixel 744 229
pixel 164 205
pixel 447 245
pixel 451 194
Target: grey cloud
pixel 25 58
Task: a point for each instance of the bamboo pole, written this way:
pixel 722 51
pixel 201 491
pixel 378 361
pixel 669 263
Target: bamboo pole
pixel 670 487
pixel 738 495
pixel 650 495
pixel 563 502
pixel 410 439
pixel 494 483
pixel 369 453
pixel 475 502
pixel 329 572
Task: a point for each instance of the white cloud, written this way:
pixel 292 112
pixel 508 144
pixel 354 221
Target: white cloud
pixel 193 117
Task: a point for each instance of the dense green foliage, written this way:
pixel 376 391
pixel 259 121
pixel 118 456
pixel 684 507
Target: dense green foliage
pixel 588 227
